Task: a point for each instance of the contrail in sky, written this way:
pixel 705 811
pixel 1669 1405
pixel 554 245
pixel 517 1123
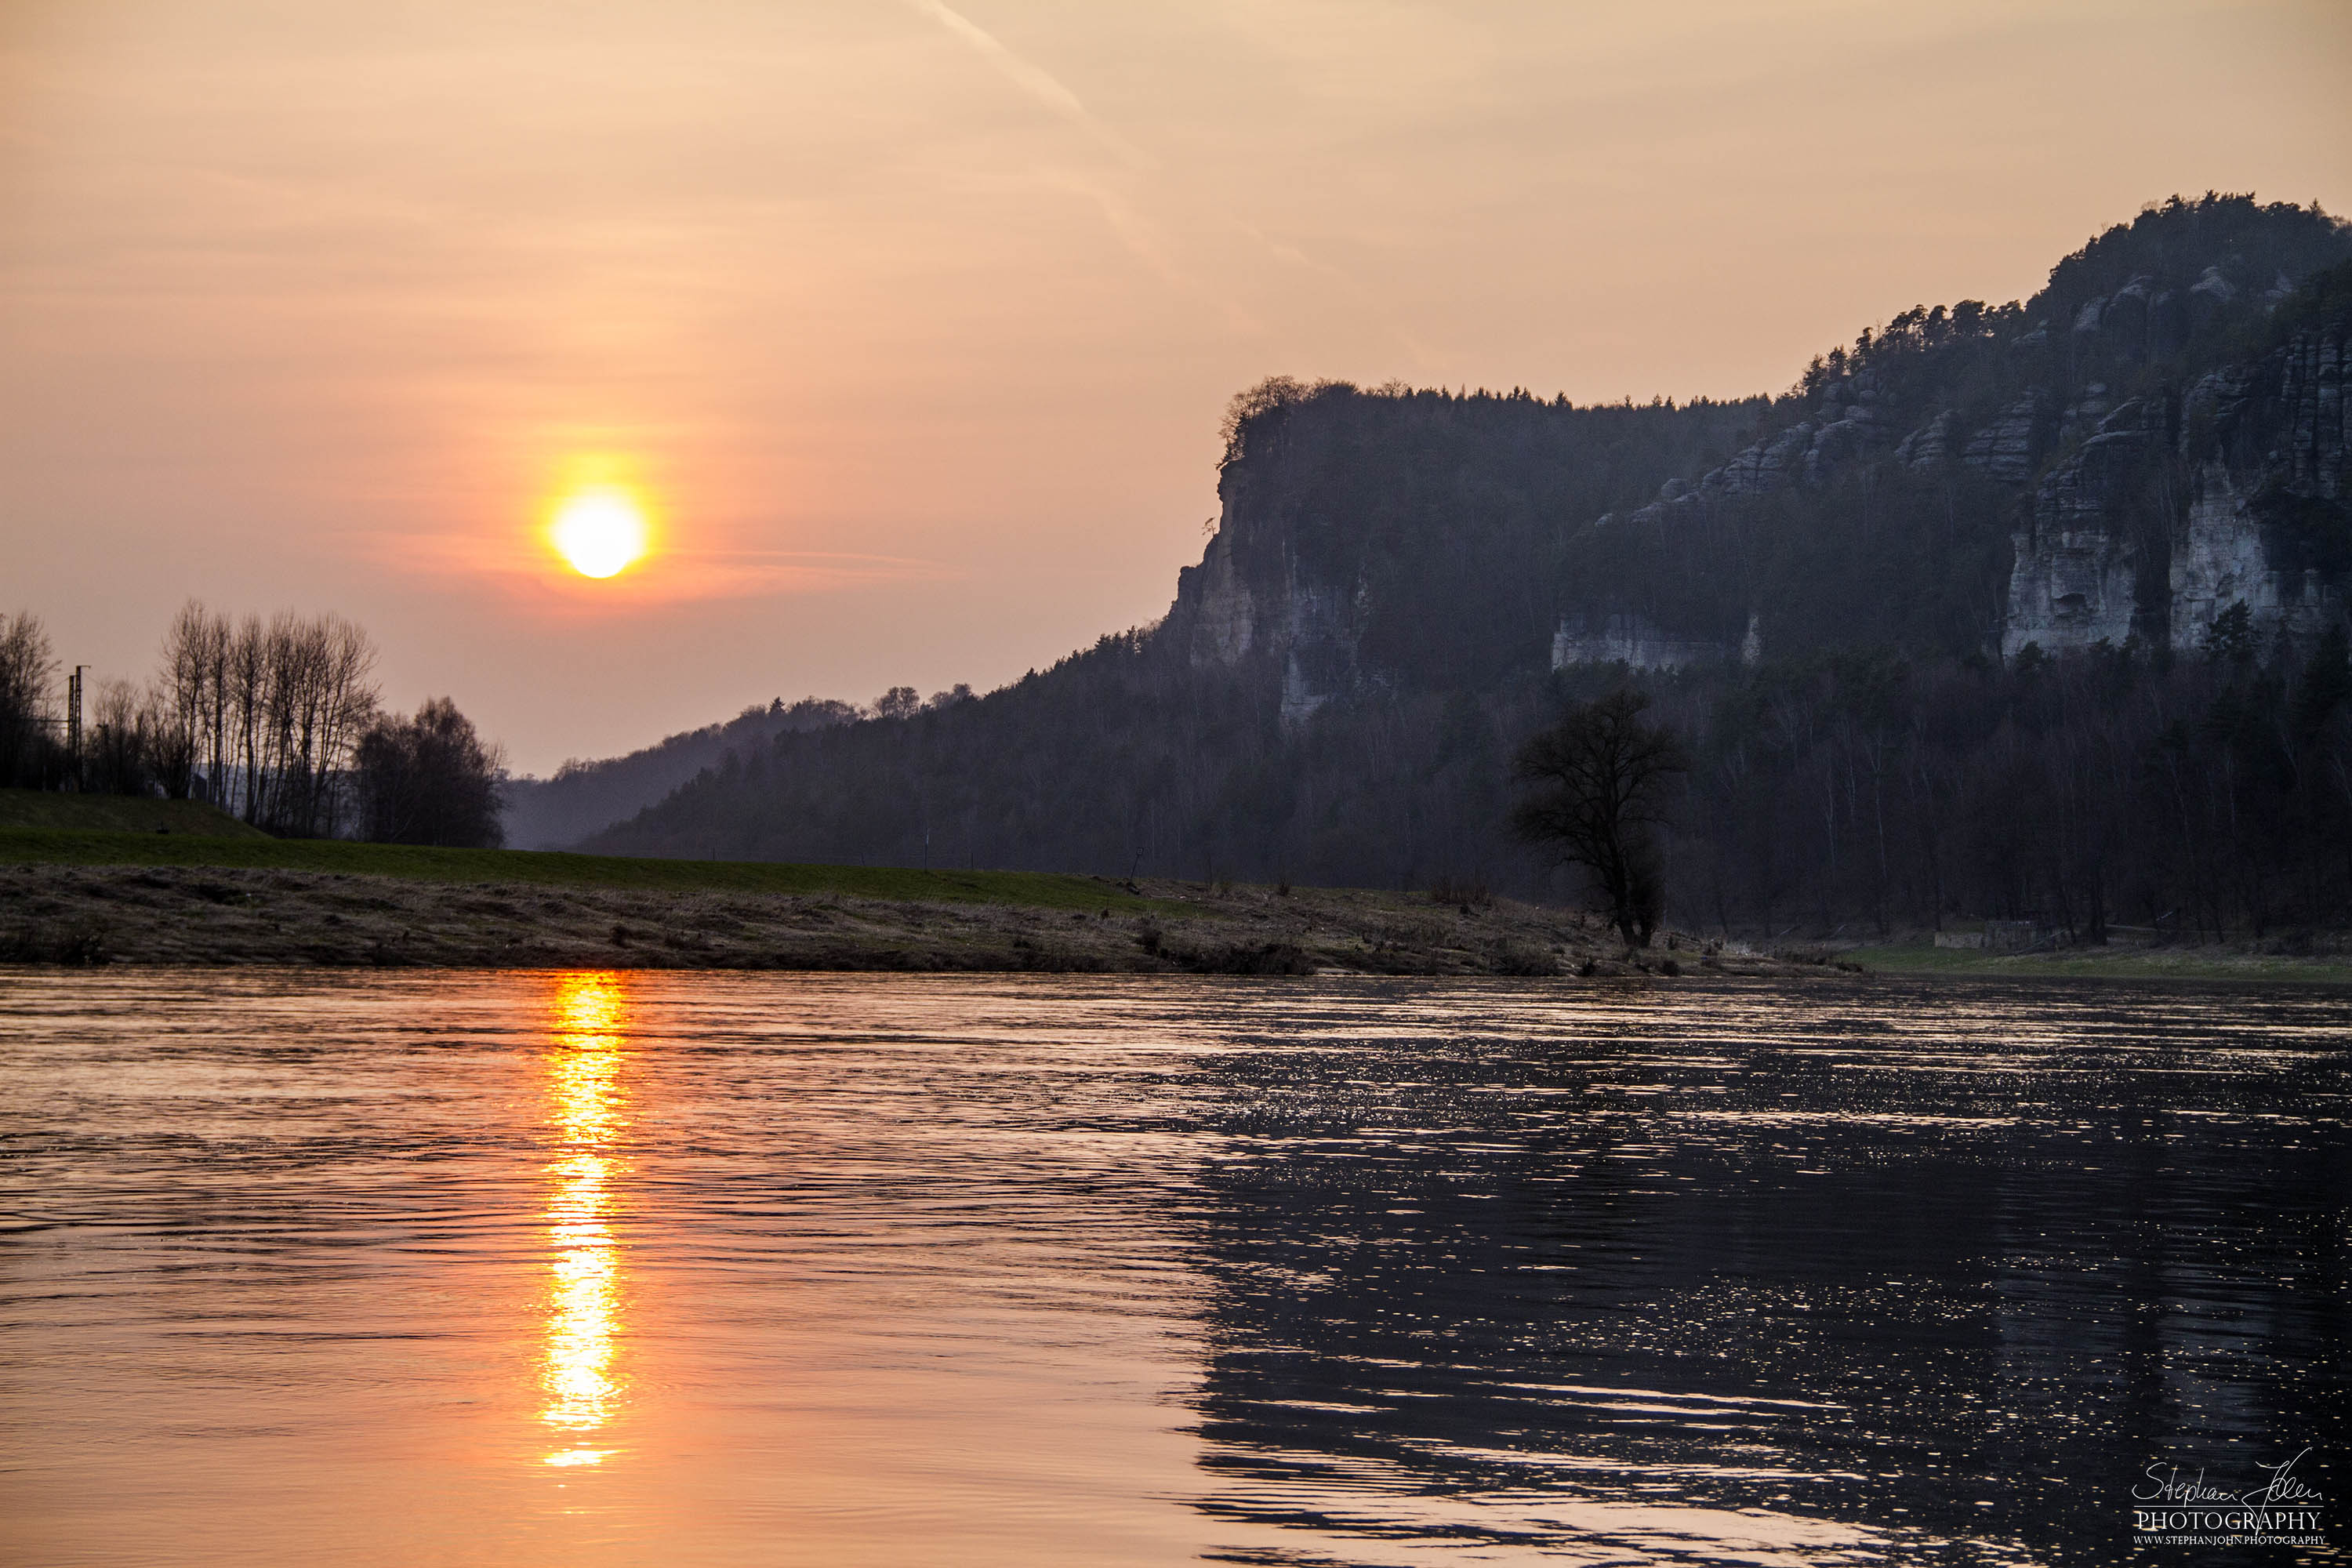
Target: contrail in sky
pixel 1133 229
pixel 1038 84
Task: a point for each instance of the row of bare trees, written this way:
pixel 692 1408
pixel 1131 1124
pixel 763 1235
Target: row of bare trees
pixel 263 718
pixel 275 720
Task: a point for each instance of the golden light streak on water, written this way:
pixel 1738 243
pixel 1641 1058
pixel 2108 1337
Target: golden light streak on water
pixel 588 1103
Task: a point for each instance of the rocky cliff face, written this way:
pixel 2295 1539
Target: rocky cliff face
pixel 1398 538
pixel 2077 571
pixel 2178 506
pixel 2157 437
pixel 1249 601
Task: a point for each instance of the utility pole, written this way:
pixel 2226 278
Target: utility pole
pixel 73 724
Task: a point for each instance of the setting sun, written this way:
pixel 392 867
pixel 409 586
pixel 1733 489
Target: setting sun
pixel 600 531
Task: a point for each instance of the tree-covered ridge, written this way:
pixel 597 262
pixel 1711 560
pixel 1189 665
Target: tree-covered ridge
pixel 1882 498
pixel 1434 524
pixel 1856 791
pixel 1441 539
pixel 2258 249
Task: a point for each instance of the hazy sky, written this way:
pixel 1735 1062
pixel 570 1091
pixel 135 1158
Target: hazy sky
pixel 914 322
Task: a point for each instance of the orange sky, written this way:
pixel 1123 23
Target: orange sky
pixel 914 321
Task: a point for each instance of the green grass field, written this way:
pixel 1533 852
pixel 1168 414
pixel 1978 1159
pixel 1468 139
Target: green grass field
pixel 24 808
pixel 67 846
pixel 2119 964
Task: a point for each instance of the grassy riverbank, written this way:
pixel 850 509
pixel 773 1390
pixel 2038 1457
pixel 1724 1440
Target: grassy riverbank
pixel 167 882
pixel 540 868
pixel 52 829
pixel 687 915
pixel 88 879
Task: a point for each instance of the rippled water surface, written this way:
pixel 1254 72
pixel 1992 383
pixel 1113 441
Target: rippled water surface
pixel 676 1269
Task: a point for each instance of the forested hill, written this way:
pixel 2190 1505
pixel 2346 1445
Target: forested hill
pixel 582 797
pixel 1848 596
pixel 1888 500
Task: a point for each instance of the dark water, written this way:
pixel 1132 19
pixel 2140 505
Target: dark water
pixel 712 1269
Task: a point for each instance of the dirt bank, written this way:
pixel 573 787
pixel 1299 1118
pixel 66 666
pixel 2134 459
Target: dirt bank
pixel 212 915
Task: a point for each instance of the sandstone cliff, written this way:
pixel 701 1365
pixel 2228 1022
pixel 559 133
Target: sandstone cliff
pixel 2180 504
pixel 1373 540
pixel 2155 436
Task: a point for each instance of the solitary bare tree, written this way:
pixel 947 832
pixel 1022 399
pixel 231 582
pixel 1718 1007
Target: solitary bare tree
pixel 1600 778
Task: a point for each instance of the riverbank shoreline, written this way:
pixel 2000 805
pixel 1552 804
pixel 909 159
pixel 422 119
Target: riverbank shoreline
pixel 240 916
pixel 201 889
pixel 2246 963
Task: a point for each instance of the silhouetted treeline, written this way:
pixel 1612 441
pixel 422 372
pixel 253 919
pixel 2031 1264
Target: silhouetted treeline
pixel 428 779
pixel 275 722
pixel 2192 795
pixel 1853 791
pixel 1114 759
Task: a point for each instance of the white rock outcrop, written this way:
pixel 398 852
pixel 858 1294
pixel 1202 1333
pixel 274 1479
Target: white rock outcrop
pixel 2219 560
pixel 1224 614
pixel 2068 589
pixel 1632 640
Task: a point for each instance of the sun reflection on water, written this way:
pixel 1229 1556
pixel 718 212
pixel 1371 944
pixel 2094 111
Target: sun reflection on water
pixel 588 1108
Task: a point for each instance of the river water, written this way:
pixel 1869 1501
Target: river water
pixel 587 1269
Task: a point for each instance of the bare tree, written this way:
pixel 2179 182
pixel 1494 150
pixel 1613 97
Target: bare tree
pixel 1600 778
pixel 116 744
pixel 244 697
pixel 27 669
pixel 193 687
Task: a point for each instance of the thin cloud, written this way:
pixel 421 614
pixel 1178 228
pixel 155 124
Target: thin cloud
pixel 1129 225
pixel 1134 230
pixel 1038 84
pixel 671 574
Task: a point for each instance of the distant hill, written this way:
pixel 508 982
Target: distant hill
pixel 2031 609
pixel 582 797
